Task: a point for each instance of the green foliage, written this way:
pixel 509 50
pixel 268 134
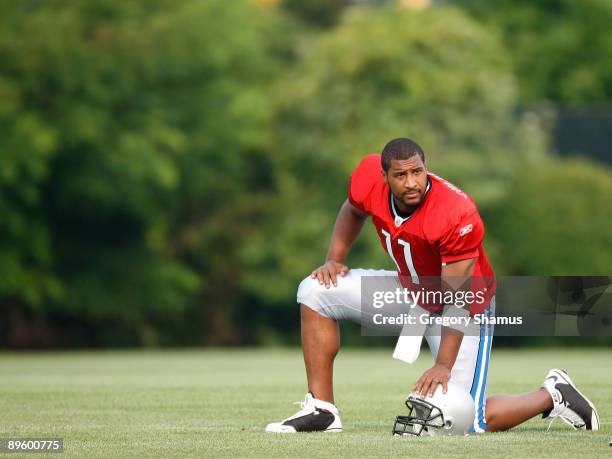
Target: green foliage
pixel 561 49
pixel 555 220
pixel 131 133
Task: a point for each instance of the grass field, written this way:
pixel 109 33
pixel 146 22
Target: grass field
pixel 216 403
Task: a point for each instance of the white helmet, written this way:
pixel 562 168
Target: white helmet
pixel 441 414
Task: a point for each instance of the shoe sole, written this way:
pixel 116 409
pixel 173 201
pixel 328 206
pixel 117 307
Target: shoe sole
pixel 563 375
pixel 294 432
pixel 278 425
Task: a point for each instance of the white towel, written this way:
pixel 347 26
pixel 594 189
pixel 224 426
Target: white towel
pixel 408 344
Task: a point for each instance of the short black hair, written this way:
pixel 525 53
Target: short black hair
pixel 401 148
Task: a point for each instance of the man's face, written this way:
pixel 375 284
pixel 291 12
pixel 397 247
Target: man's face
pixel 407 179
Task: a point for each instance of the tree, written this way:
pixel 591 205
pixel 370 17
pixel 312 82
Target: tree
pixel 131 133
pixel 560 49
pixel 555 218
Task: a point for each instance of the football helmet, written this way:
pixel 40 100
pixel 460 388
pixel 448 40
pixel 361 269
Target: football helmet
pixel 441 414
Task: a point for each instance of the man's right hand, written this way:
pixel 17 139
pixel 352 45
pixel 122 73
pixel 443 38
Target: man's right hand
pixel 327 274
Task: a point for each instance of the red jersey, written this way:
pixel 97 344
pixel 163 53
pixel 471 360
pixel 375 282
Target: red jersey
pixel 445 227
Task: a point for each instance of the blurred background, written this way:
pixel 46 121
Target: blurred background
pixel 170 171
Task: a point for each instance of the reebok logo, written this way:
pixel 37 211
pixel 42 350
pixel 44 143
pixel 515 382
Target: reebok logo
pixel 466 229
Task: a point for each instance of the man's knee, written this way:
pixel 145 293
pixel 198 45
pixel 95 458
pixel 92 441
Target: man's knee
pixel 336 302
pixel 312 295
pixel 306 288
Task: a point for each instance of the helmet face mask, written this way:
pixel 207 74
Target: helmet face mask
pixel 450 413
pixel 422 415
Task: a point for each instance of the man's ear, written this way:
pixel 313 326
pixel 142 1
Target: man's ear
pixel 382 171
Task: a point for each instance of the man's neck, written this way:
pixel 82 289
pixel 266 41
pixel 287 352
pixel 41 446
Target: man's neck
pixel 402 209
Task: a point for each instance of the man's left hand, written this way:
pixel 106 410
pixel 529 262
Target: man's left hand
pixel 427 383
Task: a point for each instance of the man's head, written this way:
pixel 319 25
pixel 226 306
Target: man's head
pixel 404 169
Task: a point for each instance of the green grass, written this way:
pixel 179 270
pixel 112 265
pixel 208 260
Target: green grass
pixel 217 402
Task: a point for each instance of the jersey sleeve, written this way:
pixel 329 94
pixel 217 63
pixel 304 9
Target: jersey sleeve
pixel 362 183
pixel 463 238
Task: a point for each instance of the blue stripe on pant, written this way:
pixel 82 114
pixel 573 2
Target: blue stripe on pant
pixel 479 381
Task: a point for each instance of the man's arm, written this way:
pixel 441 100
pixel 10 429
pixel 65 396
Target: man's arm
pixel 455 275
pixel 348 225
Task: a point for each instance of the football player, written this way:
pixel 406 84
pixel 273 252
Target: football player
pixel 429 227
